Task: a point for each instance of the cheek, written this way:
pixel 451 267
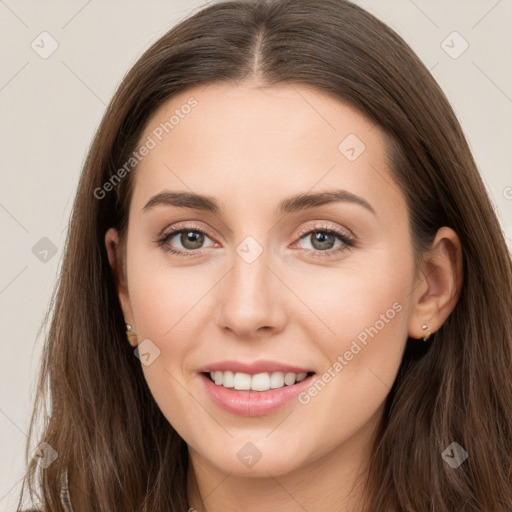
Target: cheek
pixel 166 299
pixel 363 299
pixel 171 306
pixel 362 318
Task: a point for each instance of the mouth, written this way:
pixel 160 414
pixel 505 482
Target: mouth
pixel 250 395
pixel 259 382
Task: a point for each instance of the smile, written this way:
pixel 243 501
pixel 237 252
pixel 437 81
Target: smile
pixel 259 382
pixel 253 394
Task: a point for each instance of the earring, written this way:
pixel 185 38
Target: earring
pixel 131 335
pixel 427 336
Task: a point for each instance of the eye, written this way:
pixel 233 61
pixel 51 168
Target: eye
pixel 189 237
pixel 323 239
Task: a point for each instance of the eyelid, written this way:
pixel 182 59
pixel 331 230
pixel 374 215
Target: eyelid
pixel 347 233
pixel 190 225
pixel 193 226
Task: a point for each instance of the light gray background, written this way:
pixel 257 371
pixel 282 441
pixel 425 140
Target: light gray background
pixel 51 107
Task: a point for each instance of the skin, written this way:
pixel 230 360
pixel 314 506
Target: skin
pixel 250 147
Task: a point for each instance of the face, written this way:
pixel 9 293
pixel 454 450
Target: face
pixel 257 282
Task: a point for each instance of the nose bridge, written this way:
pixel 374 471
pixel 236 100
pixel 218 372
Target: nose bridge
pixel 250 297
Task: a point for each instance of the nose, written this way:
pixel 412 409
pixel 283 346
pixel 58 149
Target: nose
pixel 252 300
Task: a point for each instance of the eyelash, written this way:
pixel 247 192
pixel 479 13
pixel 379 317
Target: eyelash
pixel 348 243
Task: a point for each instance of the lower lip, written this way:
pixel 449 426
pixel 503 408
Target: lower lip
pixel 253 403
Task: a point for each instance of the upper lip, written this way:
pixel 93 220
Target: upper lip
pixel 261 366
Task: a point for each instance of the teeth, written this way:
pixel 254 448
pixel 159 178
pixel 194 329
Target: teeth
pixel 258 382
pixel 276 380
pixel 228 379
pixel 242 381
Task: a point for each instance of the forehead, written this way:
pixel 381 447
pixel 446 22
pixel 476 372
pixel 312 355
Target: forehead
pixel 259 141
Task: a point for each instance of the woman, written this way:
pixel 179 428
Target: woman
pixel 284 288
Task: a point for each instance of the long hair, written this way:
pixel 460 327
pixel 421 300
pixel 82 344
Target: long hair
pixel 98 413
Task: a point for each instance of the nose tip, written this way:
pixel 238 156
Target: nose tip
pixel 249 302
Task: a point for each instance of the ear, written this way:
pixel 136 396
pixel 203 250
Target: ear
pixel 437 288
pixel 118 266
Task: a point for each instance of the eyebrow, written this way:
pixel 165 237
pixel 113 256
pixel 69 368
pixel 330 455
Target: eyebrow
pixel 292 204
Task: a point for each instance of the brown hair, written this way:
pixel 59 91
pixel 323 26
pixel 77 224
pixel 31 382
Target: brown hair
pixel 117 447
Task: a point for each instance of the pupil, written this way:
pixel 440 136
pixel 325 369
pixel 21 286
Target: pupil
pixel 323 239
pixel 192 239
